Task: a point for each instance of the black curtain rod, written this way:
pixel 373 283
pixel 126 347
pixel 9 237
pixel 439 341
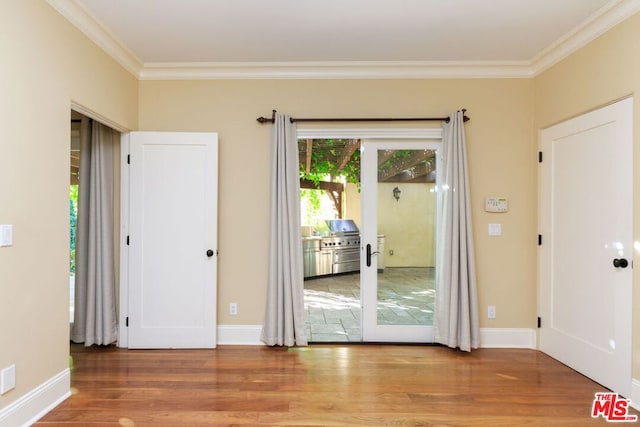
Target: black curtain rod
pixel 369 119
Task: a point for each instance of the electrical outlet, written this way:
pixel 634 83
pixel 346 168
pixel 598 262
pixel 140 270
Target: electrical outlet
pixel 7 379
pixel 491 312
pixel 233 308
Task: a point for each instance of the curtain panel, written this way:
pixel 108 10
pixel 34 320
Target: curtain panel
pixel 95 285
pixel 456 321
pixel 284 323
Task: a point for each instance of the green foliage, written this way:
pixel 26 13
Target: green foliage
pixel 73 223
pixel 325 158
pixel 311 206
pixel 313 197
pixel 323 163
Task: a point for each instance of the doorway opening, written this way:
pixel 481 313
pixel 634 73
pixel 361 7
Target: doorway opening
pixel 329 198
pixel 93 229
pixel 331 191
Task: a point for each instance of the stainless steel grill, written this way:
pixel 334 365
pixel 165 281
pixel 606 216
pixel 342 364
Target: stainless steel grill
pixel 339 252
pixel 344 241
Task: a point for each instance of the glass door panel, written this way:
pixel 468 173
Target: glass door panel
pixel 399 235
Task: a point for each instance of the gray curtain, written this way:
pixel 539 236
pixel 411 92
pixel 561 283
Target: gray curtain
pixel 95 284
pixel 456 321
pixel 284 314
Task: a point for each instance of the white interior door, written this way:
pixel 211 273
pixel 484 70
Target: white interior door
pixel 172 240
pixel 398 235
pixel 586 224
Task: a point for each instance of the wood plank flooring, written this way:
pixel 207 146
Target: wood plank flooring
pixel 323 385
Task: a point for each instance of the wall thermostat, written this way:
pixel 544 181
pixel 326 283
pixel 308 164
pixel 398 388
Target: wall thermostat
pixel 496 204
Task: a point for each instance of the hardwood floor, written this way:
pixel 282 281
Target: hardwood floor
pixel 323 385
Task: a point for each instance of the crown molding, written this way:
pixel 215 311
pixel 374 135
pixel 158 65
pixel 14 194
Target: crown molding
pixel 593 27
pixel 84 20
pixel 334 70
pixel 604 19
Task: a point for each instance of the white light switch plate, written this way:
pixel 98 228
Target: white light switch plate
pixel 6 235
pixel 495 229
pixel 7 379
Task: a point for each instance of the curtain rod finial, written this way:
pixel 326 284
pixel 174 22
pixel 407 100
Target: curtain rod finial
pixel 262 119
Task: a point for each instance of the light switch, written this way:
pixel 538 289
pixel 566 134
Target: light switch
pixel 7 379
pixel 6 235
pixel 495 229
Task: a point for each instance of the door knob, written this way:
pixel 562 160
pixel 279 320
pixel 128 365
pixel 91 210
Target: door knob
pixel 620 263
pixel 209 253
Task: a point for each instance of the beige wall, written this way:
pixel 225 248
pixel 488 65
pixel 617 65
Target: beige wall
pixel 351 203
pixel 401 222
pixel 46 65
pixel 502 150
pixel 602 72
pixel 408 224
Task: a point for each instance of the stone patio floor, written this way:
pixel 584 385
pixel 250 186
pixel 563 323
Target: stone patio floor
pixel 332 303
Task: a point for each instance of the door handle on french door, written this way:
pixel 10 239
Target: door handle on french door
pixel 369 253
pixel 620 263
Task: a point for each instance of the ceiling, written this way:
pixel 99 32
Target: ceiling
pixel 340 38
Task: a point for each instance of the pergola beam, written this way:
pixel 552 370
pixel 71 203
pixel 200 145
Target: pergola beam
pixel 347 153
pixel 412 161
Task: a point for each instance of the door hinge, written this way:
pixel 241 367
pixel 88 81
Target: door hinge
pixel 539 239
pixel 127 240
pixel 127 321
pixel 539 156
pixel 128 159
pixel 539 322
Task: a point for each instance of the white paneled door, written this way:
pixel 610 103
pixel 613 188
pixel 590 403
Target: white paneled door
pixel 587 249
pixel 172 240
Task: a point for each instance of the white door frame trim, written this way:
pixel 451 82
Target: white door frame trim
pixel 123 307
pixel 432 135
pixel 370 133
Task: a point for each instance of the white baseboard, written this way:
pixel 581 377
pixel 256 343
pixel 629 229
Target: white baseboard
pixel 489 337
pixel 635 394
pixel 239 335
pixel 508 338
pixel 38 402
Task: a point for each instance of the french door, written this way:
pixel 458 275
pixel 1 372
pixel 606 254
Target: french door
pixel 399 199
